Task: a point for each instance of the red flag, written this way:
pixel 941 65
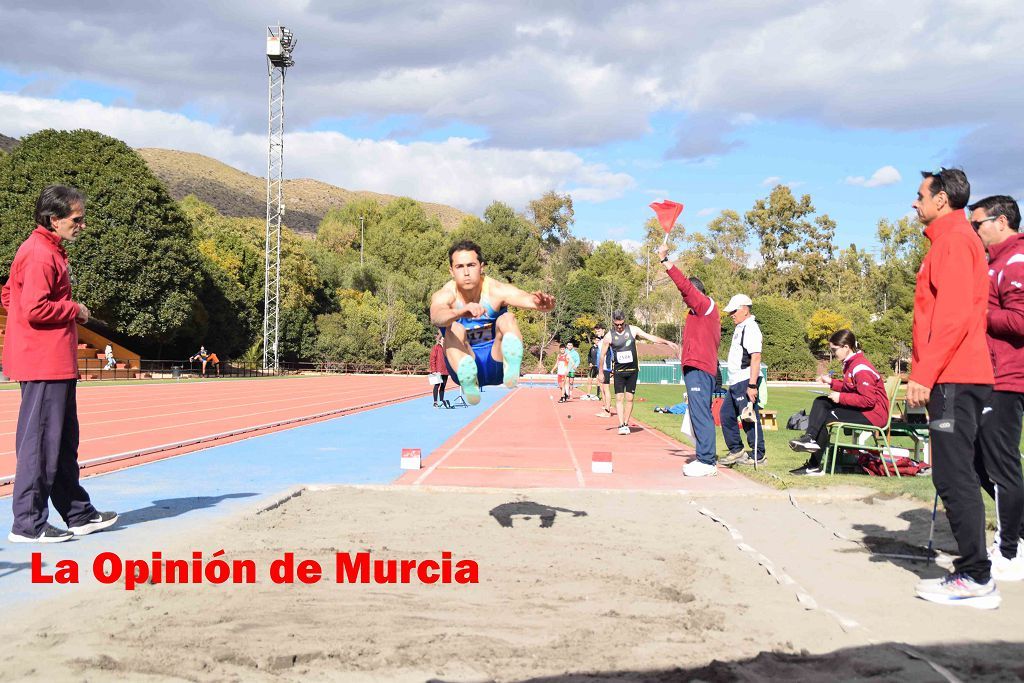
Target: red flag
pixel 668 211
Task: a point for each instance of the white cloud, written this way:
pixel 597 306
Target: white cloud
pixel 557 75
pixel 455 171
pixel 708 211
pixel 886 175
pixel 630 245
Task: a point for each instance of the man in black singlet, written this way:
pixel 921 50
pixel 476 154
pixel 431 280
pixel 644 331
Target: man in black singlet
pixel 622 340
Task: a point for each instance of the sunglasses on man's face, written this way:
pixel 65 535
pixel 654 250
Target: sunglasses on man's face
pixel 77 220
pixel 977 224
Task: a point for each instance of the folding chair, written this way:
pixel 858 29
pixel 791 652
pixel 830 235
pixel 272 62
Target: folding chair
pixel 845 434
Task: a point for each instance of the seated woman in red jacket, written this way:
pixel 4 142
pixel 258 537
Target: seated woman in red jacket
pixel 858 397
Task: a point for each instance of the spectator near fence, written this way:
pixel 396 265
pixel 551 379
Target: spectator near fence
pixel 108 353
pixel 207 358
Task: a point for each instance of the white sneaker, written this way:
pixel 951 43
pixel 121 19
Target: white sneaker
pixel 699 469
pixel 961 590
pixel 603 413
pixel 994 551
pixel 98 522
pixel 49 534
pixel 1008 570
pixel 624 430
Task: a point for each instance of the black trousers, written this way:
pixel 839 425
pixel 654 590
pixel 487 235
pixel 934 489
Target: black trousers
pixel 954 412
pixel 824 411
pixel 997 461
pixel 439 389
pixel 47 450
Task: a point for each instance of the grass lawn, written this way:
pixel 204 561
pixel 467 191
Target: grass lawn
pixel 775 473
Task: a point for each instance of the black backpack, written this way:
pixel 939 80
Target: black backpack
pixel 798 421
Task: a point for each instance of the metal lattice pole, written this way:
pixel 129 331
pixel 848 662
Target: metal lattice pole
pixel 280 42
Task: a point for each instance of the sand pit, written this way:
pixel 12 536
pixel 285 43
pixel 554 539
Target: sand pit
pixel 580 584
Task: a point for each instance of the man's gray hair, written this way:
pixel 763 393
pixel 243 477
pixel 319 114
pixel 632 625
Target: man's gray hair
pixel 617 314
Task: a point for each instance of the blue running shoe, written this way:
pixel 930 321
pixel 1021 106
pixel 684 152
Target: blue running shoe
pixel 467 380
pixel 512 353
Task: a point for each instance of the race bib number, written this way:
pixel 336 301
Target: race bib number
pixel 623 357
pixel 477 335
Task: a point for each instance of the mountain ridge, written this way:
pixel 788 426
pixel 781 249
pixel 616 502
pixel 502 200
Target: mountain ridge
pixel 236 193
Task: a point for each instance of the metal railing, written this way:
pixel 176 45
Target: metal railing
pixel 98 369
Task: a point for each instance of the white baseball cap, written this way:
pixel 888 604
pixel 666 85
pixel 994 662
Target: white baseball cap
pixel 737 301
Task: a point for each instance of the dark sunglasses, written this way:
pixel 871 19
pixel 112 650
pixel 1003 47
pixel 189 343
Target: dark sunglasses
pixel 977 224
pixel 78 220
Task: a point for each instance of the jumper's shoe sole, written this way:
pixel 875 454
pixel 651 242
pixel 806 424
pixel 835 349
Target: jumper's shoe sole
pixel 467 375
pixel 512 358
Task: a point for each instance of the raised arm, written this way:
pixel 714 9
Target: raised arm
pixel 637 332
pixel 510 295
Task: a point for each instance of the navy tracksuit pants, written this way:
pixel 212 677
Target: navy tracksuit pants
pixel 47 450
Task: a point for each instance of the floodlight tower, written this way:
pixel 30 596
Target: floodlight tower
pixel 280 43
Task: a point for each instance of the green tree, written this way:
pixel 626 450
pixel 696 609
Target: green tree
pixel 796 245
pixel 902 248
pixel 135 266
pixel 726 238
pixel 552 215
pixel 511 247
pixel 782 325
pixel 236 247
pixel 887 340
pixel 822 324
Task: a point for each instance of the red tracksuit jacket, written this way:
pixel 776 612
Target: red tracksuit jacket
pixel 703 330
pixel 863 388
pixel 41 339
pixel 1006 312
pixel 950 302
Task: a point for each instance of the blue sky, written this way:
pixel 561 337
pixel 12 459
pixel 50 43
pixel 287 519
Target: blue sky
pixel 619 104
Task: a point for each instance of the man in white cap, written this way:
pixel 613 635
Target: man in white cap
pixel 744 373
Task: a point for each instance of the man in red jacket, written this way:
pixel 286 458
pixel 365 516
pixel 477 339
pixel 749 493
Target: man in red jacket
pixel 997 220
pixel 699 358
pixel 41 352
pixel 950 374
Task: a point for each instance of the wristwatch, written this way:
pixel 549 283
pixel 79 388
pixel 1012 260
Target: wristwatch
pixel 665 260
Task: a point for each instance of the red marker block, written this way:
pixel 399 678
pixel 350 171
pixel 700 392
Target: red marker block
pixel 601 462
pixel 410 458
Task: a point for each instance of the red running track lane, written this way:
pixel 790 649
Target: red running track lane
pixel 529 440
pixel 127 418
